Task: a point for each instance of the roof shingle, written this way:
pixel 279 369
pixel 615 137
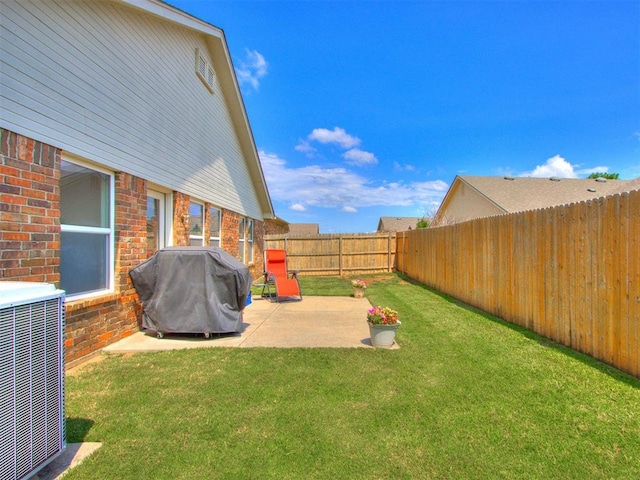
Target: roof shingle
pixel 517 194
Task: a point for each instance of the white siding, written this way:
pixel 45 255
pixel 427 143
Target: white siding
pixel 118 86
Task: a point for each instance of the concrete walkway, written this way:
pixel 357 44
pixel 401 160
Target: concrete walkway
pixel 313 322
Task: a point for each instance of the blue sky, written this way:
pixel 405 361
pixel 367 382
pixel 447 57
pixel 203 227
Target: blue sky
pixel 363 109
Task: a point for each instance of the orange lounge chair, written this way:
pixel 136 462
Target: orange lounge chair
pixel 276 274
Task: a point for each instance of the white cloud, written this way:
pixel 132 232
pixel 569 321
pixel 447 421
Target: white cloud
pixel 355 156
pixel 252 69
pixel 298 207
pixel 338 136
pixel 317 186
pixel 555 166
pixel 349 209
pixel 305 147
pixel 403 168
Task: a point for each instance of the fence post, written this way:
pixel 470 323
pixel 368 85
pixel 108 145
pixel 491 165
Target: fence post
pixel 400 252
pixel 389 252
pixel 340 255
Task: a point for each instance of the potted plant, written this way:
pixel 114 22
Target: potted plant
pixel 358 288
pixel 383 323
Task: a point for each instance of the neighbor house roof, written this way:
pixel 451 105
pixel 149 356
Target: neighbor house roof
pixel 397 224
pixel 627 186
pixel 304 229
pixel 473 197
pixel 516 194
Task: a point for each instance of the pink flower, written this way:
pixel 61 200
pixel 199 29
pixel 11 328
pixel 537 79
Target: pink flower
pixel 382 316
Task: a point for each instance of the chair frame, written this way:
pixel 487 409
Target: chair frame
pixel 269 279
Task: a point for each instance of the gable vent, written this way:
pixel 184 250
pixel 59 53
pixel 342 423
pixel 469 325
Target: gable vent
pixel 204 70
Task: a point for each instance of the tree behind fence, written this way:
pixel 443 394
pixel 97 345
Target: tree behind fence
pixel 570 273
pixel 339 254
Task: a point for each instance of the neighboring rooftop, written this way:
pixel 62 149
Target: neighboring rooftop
pixel 397 224
pixel 304 229
pixel 475 197
pixel 517 194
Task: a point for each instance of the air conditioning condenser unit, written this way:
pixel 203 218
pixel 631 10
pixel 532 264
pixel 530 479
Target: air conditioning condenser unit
pixel 32 421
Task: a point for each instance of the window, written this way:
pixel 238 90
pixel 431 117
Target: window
pixel 155 222
pixel 245 240
pixel 153 225
pixel 196 224
pixel 86 238
pixel 250 241
pixel 214 227
pixel 241 238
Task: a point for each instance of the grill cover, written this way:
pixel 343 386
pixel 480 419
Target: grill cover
pixel 192 290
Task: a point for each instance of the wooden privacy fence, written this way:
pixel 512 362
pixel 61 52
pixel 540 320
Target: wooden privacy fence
pixel 570 273
pixel 342 254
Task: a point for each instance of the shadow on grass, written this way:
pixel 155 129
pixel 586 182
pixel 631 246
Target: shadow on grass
pixel 77 429
pixel 544 341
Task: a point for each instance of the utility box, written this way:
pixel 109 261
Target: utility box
pixel 32 420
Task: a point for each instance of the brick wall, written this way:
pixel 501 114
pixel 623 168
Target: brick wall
pixel 275 227
pixel 180 219
pixel 230 236
pixel 29 210
pixel 257 268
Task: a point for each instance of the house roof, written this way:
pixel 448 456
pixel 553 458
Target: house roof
pixel 516 194
pixel 304 228
pixel 397 224
pixel 628 186
pixel 219 51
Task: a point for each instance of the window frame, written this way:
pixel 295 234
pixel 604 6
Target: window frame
pixel 219 237
pixel 108 231
pixel 242 235
pixel 201 236
pixel 160 197
pixel 249 242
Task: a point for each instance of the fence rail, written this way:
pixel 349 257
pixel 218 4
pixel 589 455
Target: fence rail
pixel 570 273
pixel 343 254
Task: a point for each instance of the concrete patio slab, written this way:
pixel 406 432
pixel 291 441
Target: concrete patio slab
pixel 338 322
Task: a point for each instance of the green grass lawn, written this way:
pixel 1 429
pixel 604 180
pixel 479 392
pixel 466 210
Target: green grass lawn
pixel 467 396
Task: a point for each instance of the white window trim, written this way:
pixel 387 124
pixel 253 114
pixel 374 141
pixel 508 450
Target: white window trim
pixel 250 239
pixel 162 216
pixel 111 230
pixel 198 237
pixel 219 237
pixel 168 210
pixel 242 236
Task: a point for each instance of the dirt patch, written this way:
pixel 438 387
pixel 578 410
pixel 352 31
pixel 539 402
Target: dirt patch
pixel 381 278
pixel 81 367
pixel 90 363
